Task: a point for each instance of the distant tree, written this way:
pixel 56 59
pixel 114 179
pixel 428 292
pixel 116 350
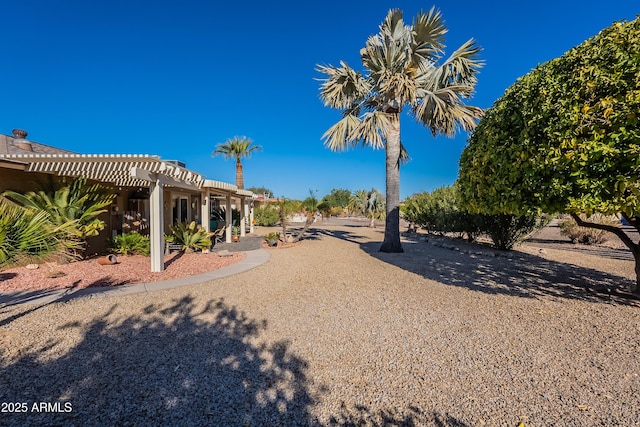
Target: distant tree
pixel 324 208
pixel 368 203
pixel 403 69
pixel 310 206
pixel 338 198
pixel 260 190
pixel 565 138
pixel 237 148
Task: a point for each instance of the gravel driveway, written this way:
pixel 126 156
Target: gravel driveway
pixel 332 332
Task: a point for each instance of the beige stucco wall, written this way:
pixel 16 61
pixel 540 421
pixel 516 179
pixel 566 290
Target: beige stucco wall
pixel 22 181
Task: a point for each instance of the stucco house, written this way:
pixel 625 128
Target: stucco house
pixel 152 193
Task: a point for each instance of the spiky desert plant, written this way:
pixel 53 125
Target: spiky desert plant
pixel 190 236
pixel 26 235
pixel 77 202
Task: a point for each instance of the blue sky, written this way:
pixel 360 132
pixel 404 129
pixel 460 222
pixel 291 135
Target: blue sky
pixel 176 78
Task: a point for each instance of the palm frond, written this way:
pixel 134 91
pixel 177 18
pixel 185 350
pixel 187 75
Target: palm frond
pixel 443 112
pixel 343 88
pixel 462 66
pixel 373 129
pixel 404 155
pixel 401 86
pixel 393 26
pixel 27 235
pixel 340 136
pixel 388 52
pixel 428 35
pixel 236 148
pixel 75 206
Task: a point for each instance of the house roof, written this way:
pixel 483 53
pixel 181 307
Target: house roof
pixel 122 170
pixel 118 169
pixel 17 144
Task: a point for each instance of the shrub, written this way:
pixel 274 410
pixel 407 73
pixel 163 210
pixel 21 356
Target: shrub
pixel 190 236
pixel 586 235
pixel 266 216
pixel 506 230
pixel 130 244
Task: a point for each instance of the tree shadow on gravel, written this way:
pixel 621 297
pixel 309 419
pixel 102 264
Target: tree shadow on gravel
pixel 349 236
pixel 622 254
pixel 172 364
pixel 360 415
pixel 514 274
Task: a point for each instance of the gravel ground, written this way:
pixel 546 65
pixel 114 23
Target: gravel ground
pixel 332 332
pixel 128 270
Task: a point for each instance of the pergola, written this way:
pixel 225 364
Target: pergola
pixel 137 170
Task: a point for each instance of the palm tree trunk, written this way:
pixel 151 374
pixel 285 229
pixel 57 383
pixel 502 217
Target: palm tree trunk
pixel 239 177
pixel 307 224
pixel 391 242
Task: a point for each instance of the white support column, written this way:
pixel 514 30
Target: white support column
pixel 205 208
pixel 156 234
pixel 251 226
pixel 228 218
pixel 243 217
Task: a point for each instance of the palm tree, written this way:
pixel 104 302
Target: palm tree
pixel 368 203
pixel 237 148
pixel 78 201
pixel 27 235
pixel 403 69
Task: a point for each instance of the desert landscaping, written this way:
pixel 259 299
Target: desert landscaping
pixel 332 332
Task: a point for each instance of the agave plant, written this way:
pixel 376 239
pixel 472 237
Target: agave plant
pixel 26 235
pixel 190 236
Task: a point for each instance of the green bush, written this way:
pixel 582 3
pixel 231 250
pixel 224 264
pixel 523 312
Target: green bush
pixel 507 230
pixel 586 235
pixel 266 216
pixel 440 212
pixel 130 244
pixel 190 236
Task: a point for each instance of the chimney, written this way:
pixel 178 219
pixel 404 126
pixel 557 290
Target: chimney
pixel 20 141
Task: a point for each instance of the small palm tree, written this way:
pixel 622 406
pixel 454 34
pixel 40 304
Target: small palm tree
pixel 77 202
pixel 370 204
pixel 26 235
pixel 237 148
pixel 403 69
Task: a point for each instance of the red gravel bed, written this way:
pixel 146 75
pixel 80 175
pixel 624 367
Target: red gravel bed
pixel 128 270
